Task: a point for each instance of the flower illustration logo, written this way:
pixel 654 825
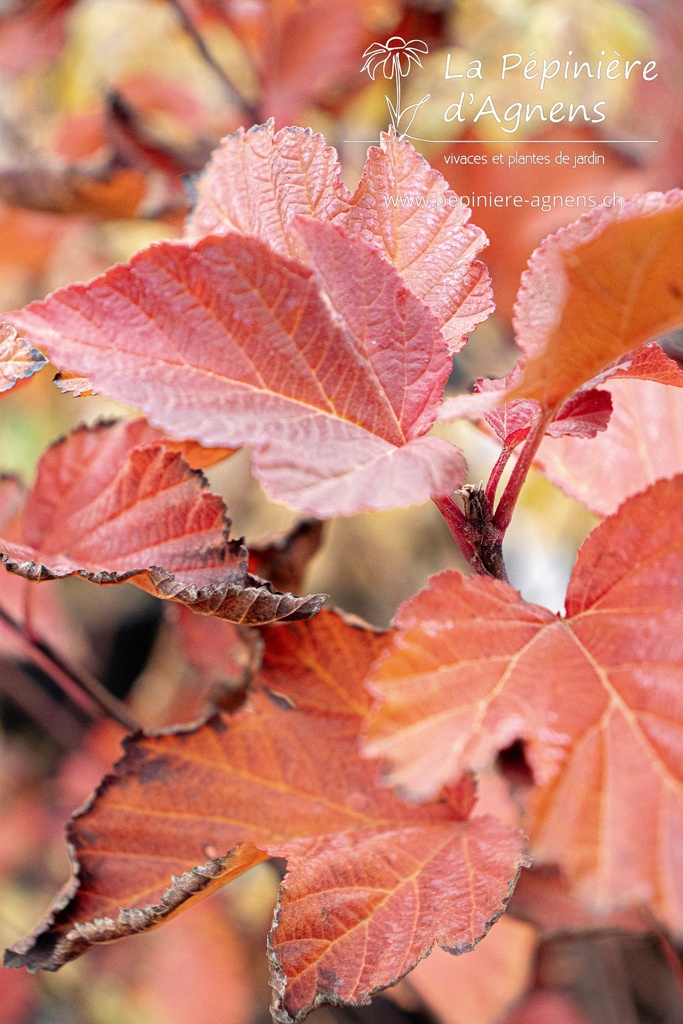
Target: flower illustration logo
pixel 394 58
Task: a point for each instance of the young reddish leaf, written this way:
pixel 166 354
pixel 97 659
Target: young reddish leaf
pixel 583 415
pixel 109 511
pixel 594 697
pixel 598 289
pixel 649 362
pixel 258 182
pixel 17 359
pixel 642 444
pixel 372 882
pixel 333 377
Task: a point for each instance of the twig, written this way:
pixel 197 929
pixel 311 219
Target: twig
pixel 64 724
pixel 249 111
pixel 474 531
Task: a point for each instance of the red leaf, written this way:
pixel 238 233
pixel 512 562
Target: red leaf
pixel 583 415
pixel 594 697
pixel 333 377
pixel 648 362
pixel 17 359
pixel 372 882
pixel 111 512
pixel 598 289
pixel 259 182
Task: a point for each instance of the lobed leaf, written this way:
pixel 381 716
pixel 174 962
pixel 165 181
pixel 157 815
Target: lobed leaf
pixel 258 182
pixel 111 510
pixel 371 882
pixel 333 375
pixel 595 697
pixel 585 414
pixel 596 290
pixel 18 359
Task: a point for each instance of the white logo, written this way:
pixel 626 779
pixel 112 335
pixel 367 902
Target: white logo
pixel 395 58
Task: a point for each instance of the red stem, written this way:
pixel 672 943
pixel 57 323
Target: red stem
pixel 496 473
pixel 457 524
pixel 506 505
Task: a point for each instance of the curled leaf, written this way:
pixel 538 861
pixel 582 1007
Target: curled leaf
pixel 111 511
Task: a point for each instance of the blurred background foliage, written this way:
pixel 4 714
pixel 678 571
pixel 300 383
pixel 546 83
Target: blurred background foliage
pixel 107 109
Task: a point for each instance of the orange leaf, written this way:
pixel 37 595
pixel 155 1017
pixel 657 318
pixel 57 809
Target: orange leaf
pixel 597 289
pixel 371 883
pixel 110 508
pixel 594 697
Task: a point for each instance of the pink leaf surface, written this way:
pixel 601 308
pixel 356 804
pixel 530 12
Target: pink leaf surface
pixel 643 443
pixel 332 376
pixel 258 182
